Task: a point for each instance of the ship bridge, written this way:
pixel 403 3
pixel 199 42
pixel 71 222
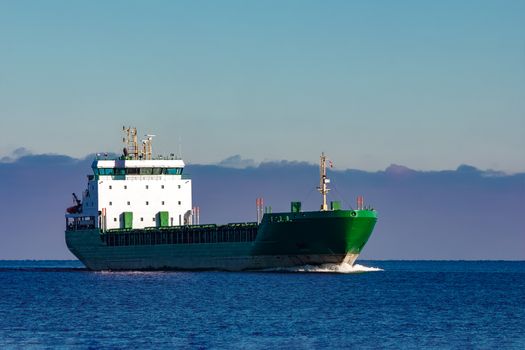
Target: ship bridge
pixel 135 190
pixel 137 167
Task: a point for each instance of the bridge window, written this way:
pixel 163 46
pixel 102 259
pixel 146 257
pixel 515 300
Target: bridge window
pixel 174 171
pixel 138 171
pixel 105 171
pixel 132 171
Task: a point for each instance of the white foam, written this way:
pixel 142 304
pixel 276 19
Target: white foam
pixel 325 268
pixel 330 268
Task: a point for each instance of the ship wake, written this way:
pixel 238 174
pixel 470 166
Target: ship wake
pixel 327 268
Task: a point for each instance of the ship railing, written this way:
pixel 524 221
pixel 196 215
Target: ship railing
pixel 242 223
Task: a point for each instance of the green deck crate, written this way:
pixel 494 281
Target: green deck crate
pixel 127 219
pixel 163 218
pixel 335 205
pixel 295 207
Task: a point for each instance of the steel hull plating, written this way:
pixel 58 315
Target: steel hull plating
pixel 282 240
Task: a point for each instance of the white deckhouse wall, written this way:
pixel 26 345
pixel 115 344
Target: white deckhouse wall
pixel 153 186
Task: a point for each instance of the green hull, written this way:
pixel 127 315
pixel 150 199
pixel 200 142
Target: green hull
pixel 281 240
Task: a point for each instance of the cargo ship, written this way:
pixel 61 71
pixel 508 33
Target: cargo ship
pixel 137 214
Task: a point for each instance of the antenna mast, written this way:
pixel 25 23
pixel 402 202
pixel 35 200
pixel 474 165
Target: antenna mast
pixel 147 148
pixel 323 188
pixel 130 142
pixel 180 147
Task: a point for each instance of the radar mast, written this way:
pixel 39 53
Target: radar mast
pixel 323 181
pixel 131 148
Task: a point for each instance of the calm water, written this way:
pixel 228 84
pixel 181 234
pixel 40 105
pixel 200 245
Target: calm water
pixel 50 304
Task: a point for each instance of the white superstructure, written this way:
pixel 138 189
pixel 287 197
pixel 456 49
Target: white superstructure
pixel 134 191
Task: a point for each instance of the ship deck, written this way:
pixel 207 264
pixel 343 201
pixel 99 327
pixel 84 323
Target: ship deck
pixel 194 234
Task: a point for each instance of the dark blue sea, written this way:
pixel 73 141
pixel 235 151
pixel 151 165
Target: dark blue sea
pixel 381 304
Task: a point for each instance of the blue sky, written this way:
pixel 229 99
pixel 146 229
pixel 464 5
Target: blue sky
pixel 427 84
